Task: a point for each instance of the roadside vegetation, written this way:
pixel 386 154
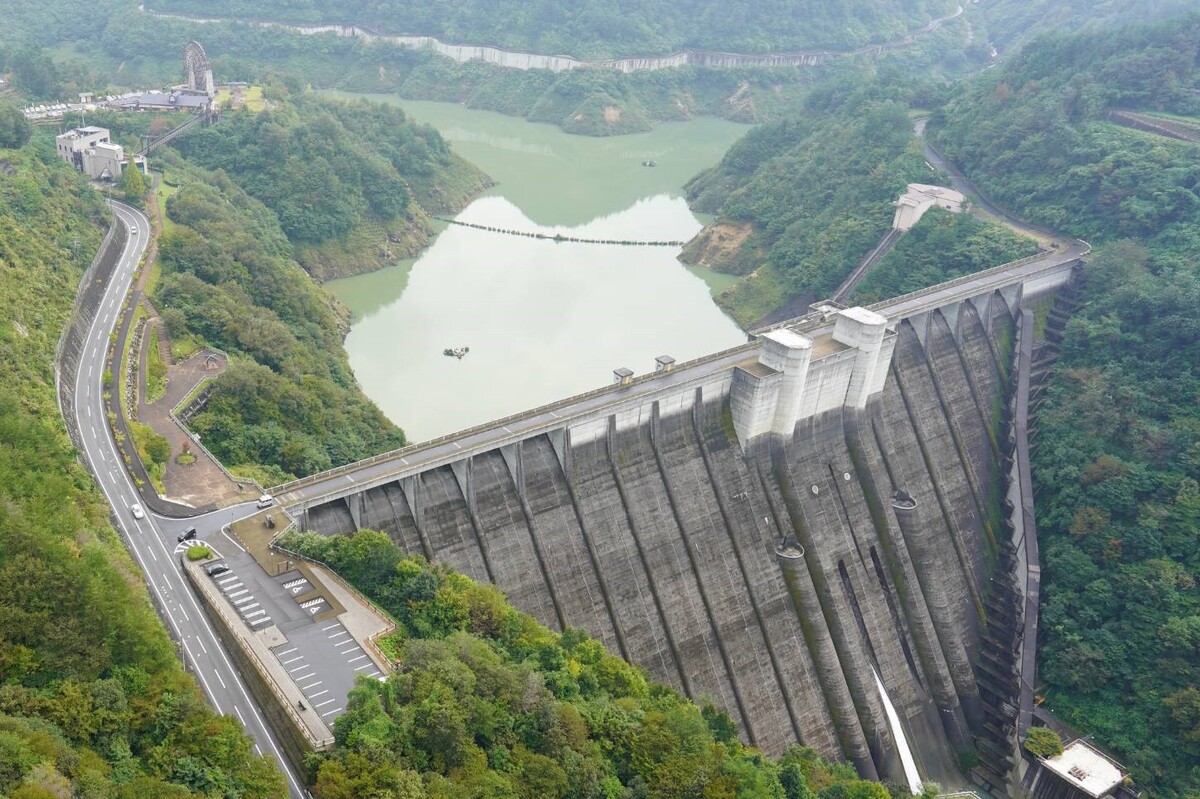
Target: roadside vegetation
pixel 1117 461
pixel 93 701
pixel 488 702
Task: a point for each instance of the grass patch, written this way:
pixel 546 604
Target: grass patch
pixel 184 347
pixel 253 99
pixel 754 296
pixel 154 450
pixel 162 193
pixel 156 370
pixel 184 458
pixel 198 552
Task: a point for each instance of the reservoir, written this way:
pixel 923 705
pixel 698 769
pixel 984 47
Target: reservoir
pixel 542 320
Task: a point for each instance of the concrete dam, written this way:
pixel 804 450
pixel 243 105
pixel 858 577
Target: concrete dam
pixel 770 527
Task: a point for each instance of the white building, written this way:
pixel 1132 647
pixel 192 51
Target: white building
pixel 919 198
pixel 91 151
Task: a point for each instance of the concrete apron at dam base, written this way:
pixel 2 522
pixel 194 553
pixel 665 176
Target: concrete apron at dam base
pixel 769 527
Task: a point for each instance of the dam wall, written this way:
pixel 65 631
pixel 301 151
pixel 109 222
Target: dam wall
pixel 763 528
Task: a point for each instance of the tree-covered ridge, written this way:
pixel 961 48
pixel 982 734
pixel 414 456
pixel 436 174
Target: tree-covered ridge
pixel 601 29
pixel 93 702
pixel 290 404
pixel 1117 460
pixel 1010 23
pixel 816 190
pixel 329 169
pixel 486 702
pixel 941 247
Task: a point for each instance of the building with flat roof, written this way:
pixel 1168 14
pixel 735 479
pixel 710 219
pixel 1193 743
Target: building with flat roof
pixel 92 151
pixel 1081 772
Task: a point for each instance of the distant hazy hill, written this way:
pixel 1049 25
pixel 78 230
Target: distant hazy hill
pixel 601 28
pixel 1012 22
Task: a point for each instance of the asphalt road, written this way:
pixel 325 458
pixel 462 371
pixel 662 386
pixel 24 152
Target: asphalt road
pixel 152 540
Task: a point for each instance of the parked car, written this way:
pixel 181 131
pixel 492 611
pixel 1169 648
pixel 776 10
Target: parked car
pixel 216 569
pixel 187 535
pixel 137 511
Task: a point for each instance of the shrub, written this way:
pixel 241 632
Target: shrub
pixel 1043 742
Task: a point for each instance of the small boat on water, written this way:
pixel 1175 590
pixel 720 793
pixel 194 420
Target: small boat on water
pixel 456 352
pixel 649 163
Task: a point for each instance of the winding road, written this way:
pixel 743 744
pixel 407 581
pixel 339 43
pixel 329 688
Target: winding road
pixel 152 539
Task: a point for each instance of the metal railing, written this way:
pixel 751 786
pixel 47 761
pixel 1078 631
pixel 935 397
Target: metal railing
pixel 412 449
pixel 804 323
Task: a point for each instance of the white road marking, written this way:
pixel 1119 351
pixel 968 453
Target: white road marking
pixel 364 666
pixel 326 702
pixel 311 685
pixel 258 612
pixel 337 635
pixel 239 593
pixel 360 657
pixel 232 540
pixel 285 652
pixel 239 715
pixel 331 626
pixel 318 693
pixel 331 712
pixel 216 672
pixel 291 660
pixel 227 579
pixel 243 601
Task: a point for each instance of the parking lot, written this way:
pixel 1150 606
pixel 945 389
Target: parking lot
pixel 324 660
pixel 321 657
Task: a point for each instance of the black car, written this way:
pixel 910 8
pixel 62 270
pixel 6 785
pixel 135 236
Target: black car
pixel 187 535
pixel 215 569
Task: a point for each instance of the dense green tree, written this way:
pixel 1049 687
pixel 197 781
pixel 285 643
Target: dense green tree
pixel 487 702
pixel 14 128
pixel 132 183
pixel 1116 462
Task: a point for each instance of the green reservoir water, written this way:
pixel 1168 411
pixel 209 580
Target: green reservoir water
pixel 542 319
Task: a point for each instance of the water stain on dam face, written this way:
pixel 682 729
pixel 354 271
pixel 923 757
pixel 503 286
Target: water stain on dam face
pixel 542 319
pixel 656 532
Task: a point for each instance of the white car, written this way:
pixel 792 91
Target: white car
pixel 265 501
pixel 133 230
pixel 137 511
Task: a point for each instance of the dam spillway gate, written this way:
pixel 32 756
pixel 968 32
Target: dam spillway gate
pixel 823 502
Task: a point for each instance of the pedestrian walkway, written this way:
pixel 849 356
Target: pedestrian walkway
pixel 202 481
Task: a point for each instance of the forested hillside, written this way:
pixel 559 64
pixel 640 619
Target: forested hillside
pixel 802 200
pixel 1009 23
pixel 352 184
pixel 93 701
pixel 599 29
pixel 491 703
pixel 291 405
pixel 1117 463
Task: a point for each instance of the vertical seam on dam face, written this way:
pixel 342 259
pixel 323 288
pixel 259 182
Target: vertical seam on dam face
pixel 606 595
pixel 968 318
pixel 651 582
pixel 519 489
pixel 939 492
pixel 726 516
pixel 924 632
pixel 867 705
pixel 688 547
pixel 843 706
pixel 940 330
